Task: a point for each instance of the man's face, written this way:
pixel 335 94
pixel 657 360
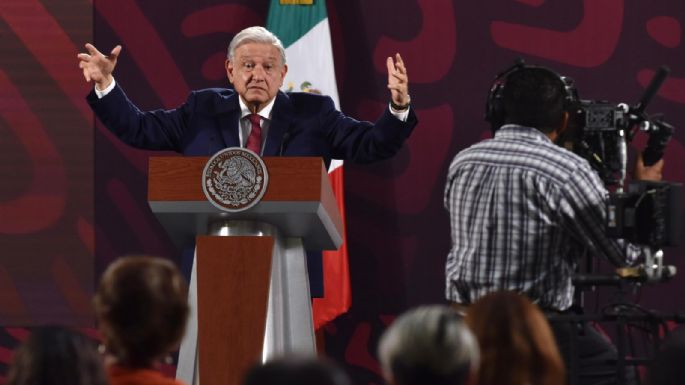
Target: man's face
pixel 257 73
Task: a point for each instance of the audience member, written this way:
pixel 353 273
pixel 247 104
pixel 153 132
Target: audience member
pixel 141 305
pixel 516 343
pixel 667 367
pixel 296 370
pixel 429 345
pixel 55 355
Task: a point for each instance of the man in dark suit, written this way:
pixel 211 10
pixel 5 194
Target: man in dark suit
pixel 294 124
pixel 255 114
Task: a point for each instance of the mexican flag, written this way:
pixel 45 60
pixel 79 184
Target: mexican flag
pixel 302 26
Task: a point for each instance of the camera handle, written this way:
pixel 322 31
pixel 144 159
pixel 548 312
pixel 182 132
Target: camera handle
pixel 622 150
pixel 652 270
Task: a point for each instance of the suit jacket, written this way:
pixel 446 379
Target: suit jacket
pixel 302 124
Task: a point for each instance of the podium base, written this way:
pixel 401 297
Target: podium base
pixel 254 304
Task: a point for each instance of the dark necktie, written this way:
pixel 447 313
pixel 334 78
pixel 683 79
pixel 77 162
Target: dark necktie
pixel 254 141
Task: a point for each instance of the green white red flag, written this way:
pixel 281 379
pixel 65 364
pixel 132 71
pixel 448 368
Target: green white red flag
pixel 302 26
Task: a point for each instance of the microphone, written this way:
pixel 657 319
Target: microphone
pixel 660 132
pixel 284 141
pixel 210 145
pixel 651 90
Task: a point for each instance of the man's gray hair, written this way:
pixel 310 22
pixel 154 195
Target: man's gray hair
pixel 429 344
pixel 255 35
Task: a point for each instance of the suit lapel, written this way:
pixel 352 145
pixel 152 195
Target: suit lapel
pixel 228 110
pixel 281 119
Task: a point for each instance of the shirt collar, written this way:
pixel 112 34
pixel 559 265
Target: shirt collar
pixel 265 113
pixel 514 131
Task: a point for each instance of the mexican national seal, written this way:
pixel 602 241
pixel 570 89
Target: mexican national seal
pixel 234 179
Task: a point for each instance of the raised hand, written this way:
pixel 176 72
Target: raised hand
pixel 98 67
pixel 398 81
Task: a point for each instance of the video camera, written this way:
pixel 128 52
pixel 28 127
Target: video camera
pixel 645 213
pixel 599 131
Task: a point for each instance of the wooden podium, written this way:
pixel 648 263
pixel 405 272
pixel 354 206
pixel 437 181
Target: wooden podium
pixel 249 289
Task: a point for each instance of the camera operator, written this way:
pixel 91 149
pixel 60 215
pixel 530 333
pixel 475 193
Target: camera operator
pixel 524 212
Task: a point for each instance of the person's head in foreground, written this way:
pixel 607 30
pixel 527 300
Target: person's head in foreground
pixel 141 305
pixel 54 355
pixel 296 370
pixel 516 343
pixel 429 345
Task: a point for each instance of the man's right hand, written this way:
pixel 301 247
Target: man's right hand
pixel 653 172
pixel 98 67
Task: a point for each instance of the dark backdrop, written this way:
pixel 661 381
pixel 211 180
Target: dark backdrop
pixel 398 231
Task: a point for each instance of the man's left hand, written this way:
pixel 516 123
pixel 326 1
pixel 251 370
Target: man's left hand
pixel 398 81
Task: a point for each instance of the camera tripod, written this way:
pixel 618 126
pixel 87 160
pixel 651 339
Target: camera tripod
pixel 631 322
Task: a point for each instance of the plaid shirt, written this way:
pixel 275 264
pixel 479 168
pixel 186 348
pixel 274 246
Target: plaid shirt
pixel 523 211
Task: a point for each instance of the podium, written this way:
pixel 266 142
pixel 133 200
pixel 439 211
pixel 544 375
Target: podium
pixel 249 289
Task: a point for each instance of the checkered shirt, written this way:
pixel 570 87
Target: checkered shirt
pixel 523 212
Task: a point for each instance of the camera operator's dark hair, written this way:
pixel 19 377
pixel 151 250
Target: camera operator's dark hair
pixel 534 97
